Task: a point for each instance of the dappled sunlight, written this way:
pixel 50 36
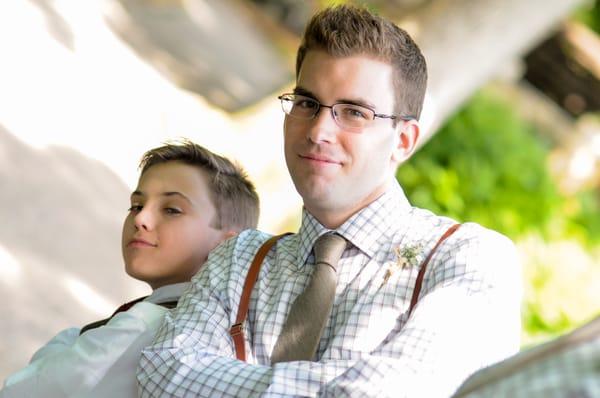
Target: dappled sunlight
pixel 10 269
pixel 586 150
pixel 110 105
pixel 88 297
pixel 586 157
pixel 582 165
pixel 563 288
pixel 576 163
pixel 201 14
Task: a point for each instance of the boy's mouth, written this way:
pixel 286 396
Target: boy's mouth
pixel 137 242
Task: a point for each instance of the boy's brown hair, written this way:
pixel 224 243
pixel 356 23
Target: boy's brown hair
pixel 346 30
pixel 232 193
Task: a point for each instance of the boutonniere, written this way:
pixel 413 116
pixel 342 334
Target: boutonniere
pixel 406 256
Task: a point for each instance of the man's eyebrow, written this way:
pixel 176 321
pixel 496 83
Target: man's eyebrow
pixel 305 92
pixel 357 101
pixel 352 101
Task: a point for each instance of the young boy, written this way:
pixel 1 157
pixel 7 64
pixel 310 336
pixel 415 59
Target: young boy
pixel 187 201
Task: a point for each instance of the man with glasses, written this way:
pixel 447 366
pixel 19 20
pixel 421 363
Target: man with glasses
pixel 412 302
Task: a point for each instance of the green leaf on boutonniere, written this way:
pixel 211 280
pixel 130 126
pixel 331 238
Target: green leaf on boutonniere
pixel 405 257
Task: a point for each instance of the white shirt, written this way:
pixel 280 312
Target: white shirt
pixel 467 317
pixel 99 363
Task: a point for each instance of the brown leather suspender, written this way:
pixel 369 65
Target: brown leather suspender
pixel 423 268
pixel 237 330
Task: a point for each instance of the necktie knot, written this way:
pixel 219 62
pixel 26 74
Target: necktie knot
pixel 328 249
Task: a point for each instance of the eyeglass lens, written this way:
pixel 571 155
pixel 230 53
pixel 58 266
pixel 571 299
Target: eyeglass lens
pixel 346 115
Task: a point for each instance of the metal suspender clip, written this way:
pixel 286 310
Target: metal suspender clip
pixel 237 329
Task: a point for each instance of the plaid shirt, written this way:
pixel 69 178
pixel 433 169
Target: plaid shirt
pixel 467 316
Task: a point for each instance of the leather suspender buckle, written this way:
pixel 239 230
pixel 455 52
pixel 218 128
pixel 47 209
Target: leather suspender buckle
pixel 237 329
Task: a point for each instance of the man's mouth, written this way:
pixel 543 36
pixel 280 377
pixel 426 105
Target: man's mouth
pixel 319 158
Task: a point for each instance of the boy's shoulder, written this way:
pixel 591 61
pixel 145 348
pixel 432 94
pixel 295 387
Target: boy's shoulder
pixel 234 255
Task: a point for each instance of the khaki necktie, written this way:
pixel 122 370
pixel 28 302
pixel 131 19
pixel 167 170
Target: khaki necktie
pixel 308 316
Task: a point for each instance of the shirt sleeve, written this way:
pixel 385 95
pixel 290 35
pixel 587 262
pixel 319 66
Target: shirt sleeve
pixel 468 317
pixel 62 341
pixel 71 365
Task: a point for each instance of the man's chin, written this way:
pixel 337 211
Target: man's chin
pixel 316 197
pixel 323 202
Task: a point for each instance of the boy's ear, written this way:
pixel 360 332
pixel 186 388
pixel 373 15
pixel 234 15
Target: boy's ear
pixel 230 234
pixel 408 136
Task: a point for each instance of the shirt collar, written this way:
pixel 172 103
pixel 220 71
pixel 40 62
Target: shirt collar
pixel 367 229
pixel 167 293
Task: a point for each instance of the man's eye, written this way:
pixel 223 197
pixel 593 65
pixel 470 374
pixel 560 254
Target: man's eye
pixel 135 208
pixel 307 104
pixel 354 113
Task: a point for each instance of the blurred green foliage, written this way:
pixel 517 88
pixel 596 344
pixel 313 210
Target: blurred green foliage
pixel 589 15
pixel 485 165
pixel 562 287
pixel 583 217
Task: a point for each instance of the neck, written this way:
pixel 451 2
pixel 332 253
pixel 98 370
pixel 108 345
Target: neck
pixel 333 218
pixel 329 220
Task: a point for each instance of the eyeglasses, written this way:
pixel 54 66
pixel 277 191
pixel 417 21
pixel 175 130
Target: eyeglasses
pixel 351 117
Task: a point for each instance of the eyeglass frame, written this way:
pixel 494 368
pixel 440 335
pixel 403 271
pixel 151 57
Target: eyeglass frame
pixel 283 98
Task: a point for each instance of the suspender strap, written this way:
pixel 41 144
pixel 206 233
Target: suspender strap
pixel 237 330
pixel 423 268
pixel 124 307
pixel 169 304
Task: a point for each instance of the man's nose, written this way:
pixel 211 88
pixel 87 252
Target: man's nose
pixel 323 127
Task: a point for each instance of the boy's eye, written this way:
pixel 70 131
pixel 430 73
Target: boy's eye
pixel 135 208
pixel 172 210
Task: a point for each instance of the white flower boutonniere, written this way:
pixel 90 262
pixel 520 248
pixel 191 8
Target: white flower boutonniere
pixel 407 256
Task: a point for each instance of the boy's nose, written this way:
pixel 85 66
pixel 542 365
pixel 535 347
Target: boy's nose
pixel 143 220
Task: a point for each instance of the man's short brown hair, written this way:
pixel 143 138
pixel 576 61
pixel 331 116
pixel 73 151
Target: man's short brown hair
pixel 232 193
pixel 345 30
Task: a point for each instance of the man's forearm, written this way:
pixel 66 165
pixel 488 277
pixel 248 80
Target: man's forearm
pixel 207 375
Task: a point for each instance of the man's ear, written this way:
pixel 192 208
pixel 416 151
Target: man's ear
pixel 408 136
